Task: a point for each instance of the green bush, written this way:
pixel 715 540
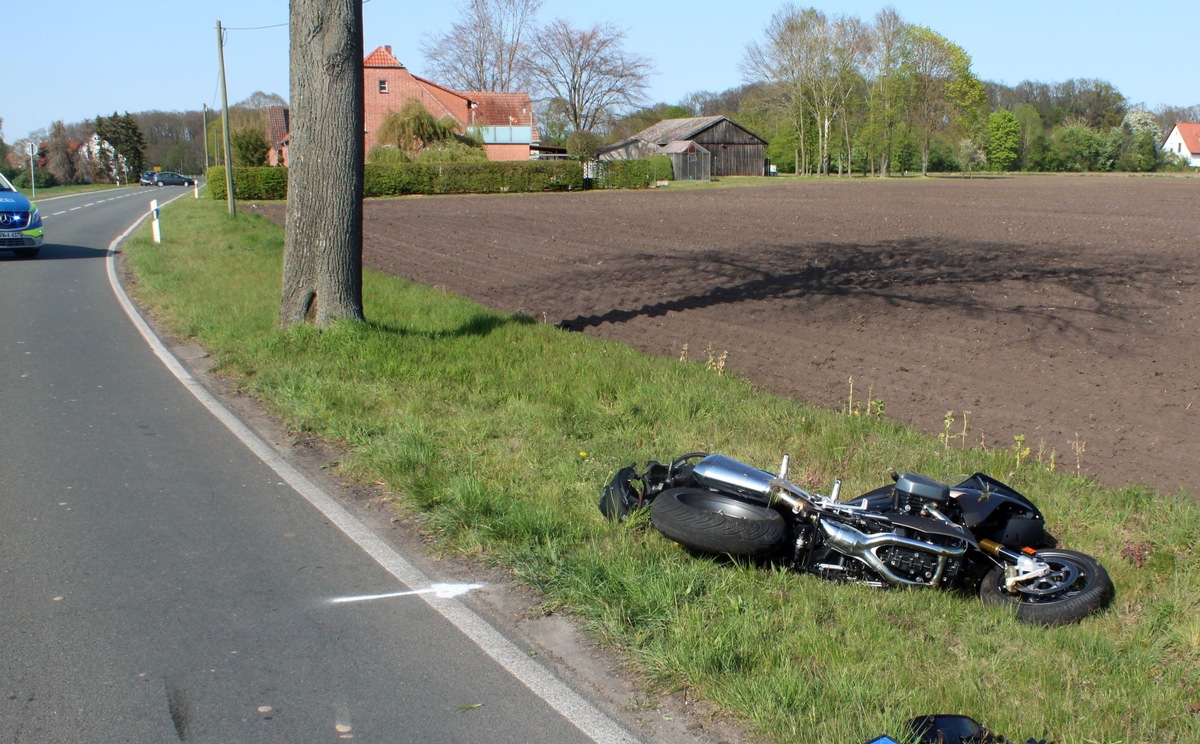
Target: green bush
pixel 387 155
pixel 472 177
pixel 635 174
pixel 261 182
pixel 44 179
pixel 397 179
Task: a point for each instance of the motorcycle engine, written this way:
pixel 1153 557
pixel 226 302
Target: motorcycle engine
pixel 914 565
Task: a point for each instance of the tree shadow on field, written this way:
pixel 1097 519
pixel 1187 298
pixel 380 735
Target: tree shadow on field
pixel 478 325
pixel 974 278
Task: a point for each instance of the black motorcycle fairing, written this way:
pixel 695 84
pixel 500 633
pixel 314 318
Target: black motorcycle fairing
pixel 996 511
pixel 931 527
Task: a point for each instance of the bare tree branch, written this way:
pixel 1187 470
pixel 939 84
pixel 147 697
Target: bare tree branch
pixel 485 50
pixel 589 71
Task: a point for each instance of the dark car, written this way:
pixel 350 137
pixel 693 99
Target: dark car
pixel 147 178
pixel 167 178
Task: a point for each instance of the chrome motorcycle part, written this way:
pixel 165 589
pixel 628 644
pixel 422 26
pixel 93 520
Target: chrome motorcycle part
pixel 846 539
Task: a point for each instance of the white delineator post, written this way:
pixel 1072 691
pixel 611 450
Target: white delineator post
pixel 155 230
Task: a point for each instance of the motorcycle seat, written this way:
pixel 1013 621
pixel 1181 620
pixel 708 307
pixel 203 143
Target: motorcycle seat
pixel 923 487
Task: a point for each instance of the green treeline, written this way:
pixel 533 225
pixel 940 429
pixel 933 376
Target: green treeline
pixel 837 94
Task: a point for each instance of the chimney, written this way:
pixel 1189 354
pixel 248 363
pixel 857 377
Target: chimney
pixel 388 48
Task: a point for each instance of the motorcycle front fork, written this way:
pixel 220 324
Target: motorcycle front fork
pixel 1020 566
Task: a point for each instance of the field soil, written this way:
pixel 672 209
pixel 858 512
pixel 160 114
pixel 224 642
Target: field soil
pixel 1060 309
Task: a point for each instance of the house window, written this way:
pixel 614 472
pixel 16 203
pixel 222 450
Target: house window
pixel 383 85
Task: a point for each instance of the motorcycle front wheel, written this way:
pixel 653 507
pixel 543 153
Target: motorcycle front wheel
pixel 1076 586
pixel 717 523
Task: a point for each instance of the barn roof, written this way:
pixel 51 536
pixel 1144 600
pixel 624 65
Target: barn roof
pixel 671 130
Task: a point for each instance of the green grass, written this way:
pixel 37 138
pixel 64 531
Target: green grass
pixel 500 432
pixel 79 188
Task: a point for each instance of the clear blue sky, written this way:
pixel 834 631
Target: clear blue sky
pixel 68 65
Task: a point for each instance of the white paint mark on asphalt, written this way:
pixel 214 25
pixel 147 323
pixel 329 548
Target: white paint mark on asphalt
pixel 592 722
pixel 441 591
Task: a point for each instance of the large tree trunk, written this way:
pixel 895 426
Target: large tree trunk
pixel 322 262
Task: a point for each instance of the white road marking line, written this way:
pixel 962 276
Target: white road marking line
pixel 556 693
pixel 441 591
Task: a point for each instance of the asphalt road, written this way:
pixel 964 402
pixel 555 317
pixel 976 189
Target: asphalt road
pixel 160 582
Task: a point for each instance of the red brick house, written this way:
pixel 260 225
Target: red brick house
pixel 504 120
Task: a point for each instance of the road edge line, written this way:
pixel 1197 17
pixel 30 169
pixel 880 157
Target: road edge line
pixel 572 706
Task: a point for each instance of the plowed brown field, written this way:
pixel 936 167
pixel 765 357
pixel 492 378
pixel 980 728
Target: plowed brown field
pixel 1063 309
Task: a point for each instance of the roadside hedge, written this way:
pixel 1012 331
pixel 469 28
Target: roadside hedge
pixel 417 178
pixel 635 174
pixel 259 182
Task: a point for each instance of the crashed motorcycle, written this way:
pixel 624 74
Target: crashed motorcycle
pixel 915 532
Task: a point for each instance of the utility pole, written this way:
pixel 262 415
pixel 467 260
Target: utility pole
pixel 225 122
pixel 204 116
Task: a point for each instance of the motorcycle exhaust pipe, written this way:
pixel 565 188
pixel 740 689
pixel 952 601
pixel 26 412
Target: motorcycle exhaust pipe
pixel 862 546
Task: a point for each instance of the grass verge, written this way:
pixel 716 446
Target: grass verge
pixel 500 433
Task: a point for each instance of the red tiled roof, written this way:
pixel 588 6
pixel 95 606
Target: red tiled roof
pixel 381 57
pixel 502 109
pixel 1190 132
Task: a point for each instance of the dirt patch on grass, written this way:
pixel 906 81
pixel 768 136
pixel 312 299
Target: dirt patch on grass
pixel 1060 309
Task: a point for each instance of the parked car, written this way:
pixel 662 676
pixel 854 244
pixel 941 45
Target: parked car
pixel 20 222
pixel 148 177
pixel 167 178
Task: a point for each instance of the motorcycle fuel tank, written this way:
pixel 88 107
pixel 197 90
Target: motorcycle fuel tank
pixel 726 474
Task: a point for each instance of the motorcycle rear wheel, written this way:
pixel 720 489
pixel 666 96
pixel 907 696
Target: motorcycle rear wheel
pixel 1077 586
pixel 717 523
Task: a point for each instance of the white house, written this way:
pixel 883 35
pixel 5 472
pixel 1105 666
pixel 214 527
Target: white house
pixel 1184 141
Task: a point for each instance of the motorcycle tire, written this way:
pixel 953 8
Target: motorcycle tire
pixel 716 523
pixel 1085 588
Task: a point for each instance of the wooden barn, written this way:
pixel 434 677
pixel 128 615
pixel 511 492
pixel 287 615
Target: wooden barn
pixel 734 151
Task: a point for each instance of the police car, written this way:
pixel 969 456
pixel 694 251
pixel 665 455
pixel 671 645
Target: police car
pixel 20 223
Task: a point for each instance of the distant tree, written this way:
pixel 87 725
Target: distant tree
pixel 1075 147
pixel 944 89
pixel 589 70
pixel 629 125
pixel 1095 103
pixel 1140 139
pixel 788 60
pixel 726 103
pixel 486 49
pixel 1169 116
pixel 1030 120
pixel 413 128
pixel 250 147
pixel 125 135
pixel 583 145
pixel 971 156
pixel 553 122
pixel 259 100
pixel 886 96
pixel 62 157
pixel 322 259
pixel 1003 140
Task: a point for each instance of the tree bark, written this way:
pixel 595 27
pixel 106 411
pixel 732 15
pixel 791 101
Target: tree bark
pixel 322 262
